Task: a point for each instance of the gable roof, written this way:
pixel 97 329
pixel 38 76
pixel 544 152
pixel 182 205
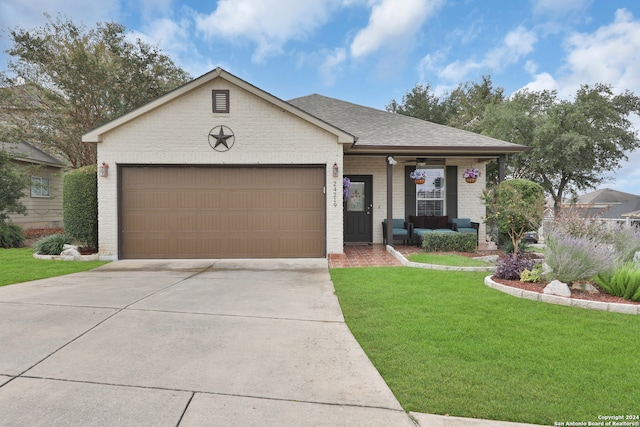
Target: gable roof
pixel 30 153
pixel 95 135
pixel 606 196
pixel 382 131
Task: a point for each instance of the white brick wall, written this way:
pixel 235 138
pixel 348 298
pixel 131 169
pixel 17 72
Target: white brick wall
pixel 177 133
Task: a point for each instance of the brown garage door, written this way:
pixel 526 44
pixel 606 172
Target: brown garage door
pixel 218 212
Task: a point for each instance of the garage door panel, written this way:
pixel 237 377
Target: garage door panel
pixel 209 212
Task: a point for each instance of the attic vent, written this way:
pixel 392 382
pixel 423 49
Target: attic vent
pixel 220 100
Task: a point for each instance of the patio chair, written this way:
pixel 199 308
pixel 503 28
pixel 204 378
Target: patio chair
pixel 400 228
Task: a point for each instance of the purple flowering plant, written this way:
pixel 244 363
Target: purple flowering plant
pixel 471 173
pixel 418 174
pixel 346 185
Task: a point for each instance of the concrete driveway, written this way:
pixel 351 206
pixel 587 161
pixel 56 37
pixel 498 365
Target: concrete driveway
pixel 186 343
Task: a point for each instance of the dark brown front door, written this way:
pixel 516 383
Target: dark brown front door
pixel 358 222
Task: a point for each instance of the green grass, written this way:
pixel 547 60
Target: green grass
pixel 447 344
pixel 447 259
pixel 19 265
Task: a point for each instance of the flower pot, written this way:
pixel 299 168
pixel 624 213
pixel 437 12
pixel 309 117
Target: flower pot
pixel 419 181
pixel 471 180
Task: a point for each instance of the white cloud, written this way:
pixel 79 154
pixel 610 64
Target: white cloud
pixel 609 55
pixel 559 8
pixel 515 45
pixel 267 23
pixel 392 23
pixel 542 81
pixel 28 14
pixel 331 65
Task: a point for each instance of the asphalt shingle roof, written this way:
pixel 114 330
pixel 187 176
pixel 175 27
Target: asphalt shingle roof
pixel 378 129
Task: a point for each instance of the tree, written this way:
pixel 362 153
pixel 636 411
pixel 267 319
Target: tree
pixel 421 103
pixel 463 108
pixel 574 145
pixel 64 80
pixel 515 206
pixel 469 101
pixel 12 184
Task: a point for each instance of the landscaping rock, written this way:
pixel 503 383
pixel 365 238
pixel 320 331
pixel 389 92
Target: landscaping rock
pixel 73 252
pixel 585 287
pixel 556 287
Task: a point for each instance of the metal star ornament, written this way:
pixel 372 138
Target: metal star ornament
pixel 221 138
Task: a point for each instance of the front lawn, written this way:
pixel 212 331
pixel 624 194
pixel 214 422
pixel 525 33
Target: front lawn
pixel 19 265
pixel 447 344
pixel 447 259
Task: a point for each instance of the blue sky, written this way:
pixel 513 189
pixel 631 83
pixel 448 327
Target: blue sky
pixel 372 51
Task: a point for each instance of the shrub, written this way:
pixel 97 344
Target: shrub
pixel 80 206
pixel 515 206
pixel 577 258
pixel 10 235
pixel 449 242
pixel 626 242
pixel 51 245
pixel 510 267
pixel 623 282
pixel 534 275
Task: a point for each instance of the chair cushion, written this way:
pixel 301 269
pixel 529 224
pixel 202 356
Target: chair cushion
pixel 417 221
pixel 400 232
pixel 467 230
pixel 462 222
pixel 441 222
pixel 397 223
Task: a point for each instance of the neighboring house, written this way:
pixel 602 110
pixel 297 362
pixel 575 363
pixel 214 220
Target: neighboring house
pixel 43 198
pixel 611 205
pixel 218 168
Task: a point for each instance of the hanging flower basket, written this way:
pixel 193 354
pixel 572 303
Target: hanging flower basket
pixel 418 176
pixel 471 175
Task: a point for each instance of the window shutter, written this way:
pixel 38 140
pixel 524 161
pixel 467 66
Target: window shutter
pixel 220 100
pixel 451 181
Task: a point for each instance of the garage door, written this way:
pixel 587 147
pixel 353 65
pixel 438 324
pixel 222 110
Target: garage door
pixel 218 212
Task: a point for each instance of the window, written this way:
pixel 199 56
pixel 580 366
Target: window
pixel 40 187
pixel 430 196
pixel 220 101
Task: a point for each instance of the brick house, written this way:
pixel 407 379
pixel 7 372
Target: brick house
pixel 219 168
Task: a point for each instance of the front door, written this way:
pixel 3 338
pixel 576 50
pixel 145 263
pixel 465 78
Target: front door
pixel 358 223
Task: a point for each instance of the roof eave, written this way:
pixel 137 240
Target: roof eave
pixel 438 150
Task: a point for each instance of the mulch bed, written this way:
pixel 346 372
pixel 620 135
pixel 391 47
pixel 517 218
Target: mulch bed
pixel 539 287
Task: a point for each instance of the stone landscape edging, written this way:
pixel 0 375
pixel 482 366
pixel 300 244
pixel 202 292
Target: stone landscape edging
pixel 92 257
pixel 569 302
pixel 397 255
pixel 613 307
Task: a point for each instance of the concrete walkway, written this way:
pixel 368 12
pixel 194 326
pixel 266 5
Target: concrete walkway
pixel 189 343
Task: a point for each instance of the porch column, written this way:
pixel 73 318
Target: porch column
pixel 390 162
pixel 501 166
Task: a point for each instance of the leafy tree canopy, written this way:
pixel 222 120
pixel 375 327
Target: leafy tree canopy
pixel 462 108
pixel 574 144
pixel 64 80
pixel 12 184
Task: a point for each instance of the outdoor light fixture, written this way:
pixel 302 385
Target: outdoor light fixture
pixel 335 170
pixel 392 161
pixel 104 170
